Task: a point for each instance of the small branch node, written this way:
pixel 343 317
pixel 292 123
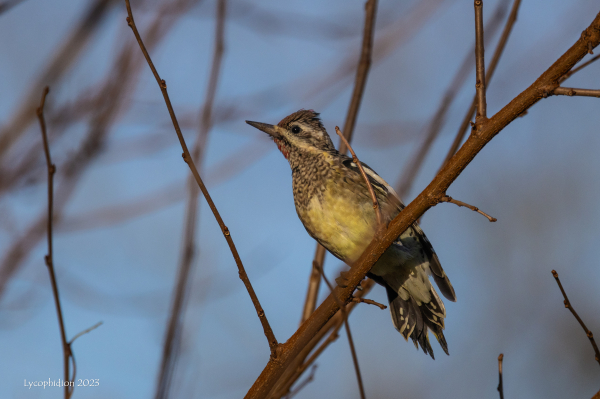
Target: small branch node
pixel 163 84
pixel 369 302
pixel 447 198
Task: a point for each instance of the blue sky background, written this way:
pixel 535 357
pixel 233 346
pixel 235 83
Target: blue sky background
pixel 539 177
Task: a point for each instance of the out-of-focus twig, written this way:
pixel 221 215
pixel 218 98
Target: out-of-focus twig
pixel 360 81
pixel 120 81
pixel 175 325
pixel 304 383
pixel 273 344
pixel 364 64
pixel 462 130
pixel 67 354
pixel 500 386
pixel 64 57
pixel 447 198
pixel 568 305
pixel 8 4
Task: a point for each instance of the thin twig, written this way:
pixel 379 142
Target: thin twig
pixel 364 175
pixel 364 64
pixel 480 63
pixel 570 307
pixel 437 121
pixel 87 330
pixel 500 387
pixel 174 329
pixel 370 302
pixel 347 325
pixel 570 91
pixel 447 198
pixel 579 68
pixel 188 159
pixel 304 383
pixel 462 130
pixel 67 354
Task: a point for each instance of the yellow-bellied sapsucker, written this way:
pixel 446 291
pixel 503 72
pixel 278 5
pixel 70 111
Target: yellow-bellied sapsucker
pixel 334 205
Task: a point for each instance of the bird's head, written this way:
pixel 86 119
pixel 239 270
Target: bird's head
pixel 301 131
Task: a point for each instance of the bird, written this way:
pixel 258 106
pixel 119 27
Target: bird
pixel 334 205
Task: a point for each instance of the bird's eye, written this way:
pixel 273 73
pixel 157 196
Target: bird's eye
pixel 296 129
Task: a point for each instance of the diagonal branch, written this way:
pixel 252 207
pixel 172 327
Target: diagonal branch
pixel 568 305
pixel 448 198
pixel 424 201
pixel 273 345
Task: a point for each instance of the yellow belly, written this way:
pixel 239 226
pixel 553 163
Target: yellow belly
pixel 342 222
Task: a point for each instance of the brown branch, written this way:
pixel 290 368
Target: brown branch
pixel 424 201
pixel 342 307
pixel 569 91
pixel 500 387
pixel 314 283
pixel 364 175
pixel 447 198
pixel 67 354
pixel 437 121
pixel 462 130
pixel 273 345
pixel 369 301
pixel 174 331
pixel 480 63
pixel 364 64
pixel 568 305
pixel 298 366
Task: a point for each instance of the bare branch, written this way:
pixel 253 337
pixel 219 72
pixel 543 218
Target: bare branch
pixel 364 64
pixel 424 201
pixel 347 325
pixel 462 130
pixel 437 121
pixel 369 301
pixel 188 159
pixel 447 198
pixel 87 330
pixel 570 307
pixel 304 383
pixel 500 387
pixel 569 91
pixel 67 354
pixel 313 283
pixel 480 62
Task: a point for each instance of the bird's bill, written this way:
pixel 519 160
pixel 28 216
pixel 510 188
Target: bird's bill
pixel 271 130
